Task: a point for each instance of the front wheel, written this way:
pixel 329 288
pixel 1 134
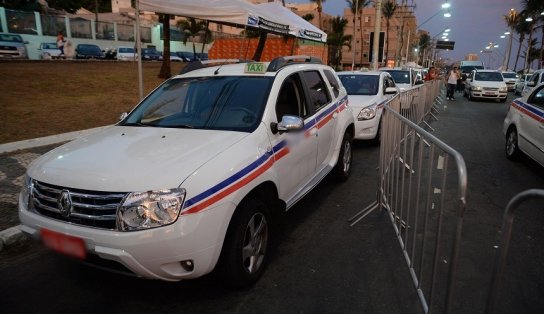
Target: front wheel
pixel 511 147
pixel 342 169
pixel 245 251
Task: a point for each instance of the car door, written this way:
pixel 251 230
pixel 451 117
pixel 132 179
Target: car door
pixel 532 125
pixel 294 152
pixel 324 108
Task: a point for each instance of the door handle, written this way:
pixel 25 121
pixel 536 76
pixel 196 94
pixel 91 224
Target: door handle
pixel 335 115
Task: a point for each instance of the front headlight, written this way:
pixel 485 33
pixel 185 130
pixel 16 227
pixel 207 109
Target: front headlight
pixel 26 191
pixel 367 113
pixel 477 88
pixel 503 89
pixel 145 210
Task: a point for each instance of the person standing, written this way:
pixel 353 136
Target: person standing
pixel 60 43
pixel 451 80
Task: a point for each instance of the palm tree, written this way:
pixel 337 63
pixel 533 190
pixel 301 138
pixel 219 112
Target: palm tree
pixel 511 20
pixel 308 17
pixel 424 43
pixel 522 28
pixel 358 5
pixel 192 28
pixel 165 71
pixel 388 10
pixel 533 9
pixel 336 39
pixel 319 10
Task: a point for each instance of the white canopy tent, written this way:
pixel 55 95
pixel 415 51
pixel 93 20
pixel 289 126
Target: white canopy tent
pixel 271 17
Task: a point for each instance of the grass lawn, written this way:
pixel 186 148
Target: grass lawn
pixel 51 97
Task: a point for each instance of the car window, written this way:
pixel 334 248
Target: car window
pixel 319 96
pixel 400 77
pixel 357 84
pixel 509 75
pixel 334 83
pixel 233 103
pixel 489 76
pixel 291 98
pixel 388 82
pixel 537 99
pixel 126 50
pixel 11 38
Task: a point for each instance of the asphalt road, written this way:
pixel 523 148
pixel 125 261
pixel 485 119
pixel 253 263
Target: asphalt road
pixel 320 264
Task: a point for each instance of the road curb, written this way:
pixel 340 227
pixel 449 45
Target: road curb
pixel 10 236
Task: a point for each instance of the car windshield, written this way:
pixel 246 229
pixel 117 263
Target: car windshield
pixel 126 50
pixel 509 75
pixel 360 84
pixel 400 77
pixel 488 76
pixel 89 48
pixel 50 46
pixel 233 103
pixel 11 38
pixel 150 51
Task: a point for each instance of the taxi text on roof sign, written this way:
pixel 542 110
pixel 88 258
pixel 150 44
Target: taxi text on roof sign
pixel 255 67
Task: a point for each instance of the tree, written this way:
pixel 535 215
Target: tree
pixel 319 10
pixel 165 72
pixel 388 10
pixel 336 39
pixel 308 17
pixel 511 19
pixel 192 28
pixel 533 9
pixel 522 28
pixel 359 5
pixel 424 43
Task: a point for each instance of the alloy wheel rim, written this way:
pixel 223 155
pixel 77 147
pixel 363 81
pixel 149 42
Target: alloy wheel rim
pixel 347 156
pixel 511 143
pixel 255 243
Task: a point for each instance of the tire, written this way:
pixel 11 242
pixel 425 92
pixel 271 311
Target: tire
pixel 470 97
pixel 511 147
pixel 245 251
pixel 342 170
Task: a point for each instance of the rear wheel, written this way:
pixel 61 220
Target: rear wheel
pixel 512 148
pixel 245 251
pixel 342 169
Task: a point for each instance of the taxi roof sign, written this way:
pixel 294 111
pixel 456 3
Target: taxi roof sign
pixel 255 67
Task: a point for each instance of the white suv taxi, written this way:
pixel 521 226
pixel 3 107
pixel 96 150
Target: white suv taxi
pixel 367 94
pixel 524 126
pixel 194 177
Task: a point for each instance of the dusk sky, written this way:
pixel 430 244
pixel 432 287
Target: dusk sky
pixel 474 23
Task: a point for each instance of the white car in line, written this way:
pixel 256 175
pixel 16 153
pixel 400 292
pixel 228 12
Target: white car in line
pixel 510 78
pixel 486 84
pixel 520 83
pixel 367 94
pixel 524 126
pixel 405 78
pixel 536 78
pixel 195 176
pixel 126 54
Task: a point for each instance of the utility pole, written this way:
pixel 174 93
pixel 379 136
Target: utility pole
pixel 377 29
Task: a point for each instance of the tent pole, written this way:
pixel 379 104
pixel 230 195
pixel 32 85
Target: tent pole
pixel 139 51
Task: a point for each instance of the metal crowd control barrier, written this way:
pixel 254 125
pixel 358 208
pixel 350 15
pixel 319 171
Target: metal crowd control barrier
pixel 507 222
pixel 422 185
pixel 420 102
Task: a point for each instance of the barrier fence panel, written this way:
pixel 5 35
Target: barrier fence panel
pixel 506 230
pixel 422 187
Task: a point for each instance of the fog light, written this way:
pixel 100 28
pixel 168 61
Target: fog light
pixel 187 265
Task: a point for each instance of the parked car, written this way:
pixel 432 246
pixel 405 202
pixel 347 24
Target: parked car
pixel 126 54
pixel 524 126
pixel 175 58
pixel 151 54
pixel 367 94
pixel 88 51
pixel 520 83
pixel 510 79
pixel 49 51
pixel 534 80
pixel 195 176
pixel 486 84
pixel 185 56
pixel 202 56
pixel 405 78
pixel 12 46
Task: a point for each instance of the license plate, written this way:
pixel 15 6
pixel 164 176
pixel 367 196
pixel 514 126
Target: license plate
pixel 65 244
pixel 489 93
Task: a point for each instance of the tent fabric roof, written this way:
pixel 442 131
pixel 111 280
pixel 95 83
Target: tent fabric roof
pixel 269 16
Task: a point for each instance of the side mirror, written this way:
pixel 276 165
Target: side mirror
pixel 419 82
pixel 390 90
pixel 530 83
pixel 123 116
pixel 289 123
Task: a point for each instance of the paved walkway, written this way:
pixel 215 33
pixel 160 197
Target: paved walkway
pixel 14 159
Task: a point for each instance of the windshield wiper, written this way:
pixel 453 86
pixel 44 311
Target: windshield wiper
pixel 135 124
pixel 178 126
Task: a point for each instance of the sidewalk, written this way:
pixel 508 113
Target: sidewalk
pixel 14 159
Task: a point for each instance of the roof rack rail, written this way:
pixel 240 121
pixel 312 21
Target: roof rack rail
pixel 195 65
pixel 280 62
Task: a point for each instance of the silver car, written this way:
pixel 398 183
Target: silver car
pixel 12 46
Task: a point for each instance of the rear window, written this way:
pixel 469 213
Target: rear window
pixel 400 77
pixel 360 84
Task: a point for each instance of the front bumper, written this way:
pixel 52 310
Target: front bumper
pixel 366 129
pixel 489 94
pixel 156 253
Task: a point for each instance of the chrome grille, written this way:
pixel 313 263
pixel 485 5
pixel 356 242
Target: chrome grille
pixel 491 88
pixel 88 208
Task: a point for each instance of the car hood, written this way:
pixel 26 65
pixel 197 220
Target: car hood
pixel 124 159
pixel 53 52
pixel 362 101
pixel 493 84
